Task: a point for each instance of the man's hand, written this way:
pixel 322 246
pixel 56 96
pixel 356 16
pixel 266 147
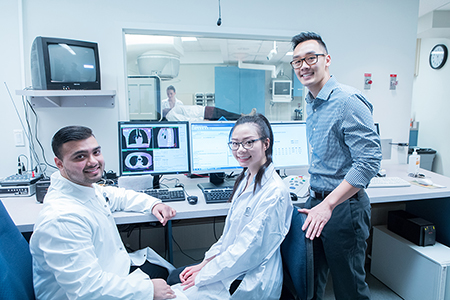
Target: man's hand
pixel 161 290
pixel 163 213
pixel 318 217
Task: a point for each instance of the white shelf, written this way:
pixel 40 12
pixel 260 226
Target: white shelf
pixel 70 98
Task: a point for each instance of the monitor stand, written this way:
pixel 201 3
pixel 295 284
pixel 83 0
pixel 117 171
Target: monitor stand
pixel 156 184
pixel 216 181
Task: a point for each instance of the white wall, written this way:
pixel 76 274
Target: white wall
pixel 431 106
pixel 359 35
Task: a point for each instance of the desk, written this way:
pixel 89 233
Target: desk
pixel 24 210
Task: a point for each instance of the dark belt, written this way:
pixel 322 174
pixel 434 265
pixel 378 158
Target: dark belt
pixel 318 195
pixel 322 195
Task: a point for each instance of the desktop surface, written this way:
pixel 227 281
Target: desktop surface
pixel 24 210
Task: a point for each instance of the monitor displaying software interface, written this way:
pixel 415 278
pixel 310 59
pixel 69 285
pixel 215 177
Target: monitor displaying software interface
pixel 290 146
pixel 153 148
pixel 209 148
pixel 210 152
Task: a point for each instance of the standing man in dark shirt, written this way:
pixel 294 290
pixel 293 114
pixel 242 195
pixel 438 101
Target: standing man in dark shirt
pixel 345 154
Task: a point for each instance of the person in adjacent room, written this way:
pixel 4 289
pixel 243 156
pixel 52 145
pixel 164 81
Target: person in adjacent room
pixel 171 100
pixel 345 155
pixel 197 113
pixel 245 263
pixel 174 110
pixel 76 247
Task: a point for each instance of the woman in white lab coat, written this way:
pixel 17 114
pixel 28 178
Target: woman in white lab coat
pixel 245 263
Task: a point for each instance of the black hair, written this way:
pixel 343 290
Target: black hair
pixel 265 132
pixel 171 87
pixel 68 134
pixel 307 36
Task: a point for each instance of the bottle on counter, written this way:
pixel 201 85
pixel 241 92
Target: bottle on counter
pixel 414 163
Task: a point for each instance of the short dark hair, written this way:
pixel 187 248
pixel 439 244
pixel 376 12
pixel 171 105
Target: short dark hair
pixel 265 132
pixel 171 87
pixel 68 134
pixel 307 36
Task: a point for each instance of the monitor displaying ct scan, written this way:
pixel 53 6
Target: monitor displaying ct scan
pixel 153 148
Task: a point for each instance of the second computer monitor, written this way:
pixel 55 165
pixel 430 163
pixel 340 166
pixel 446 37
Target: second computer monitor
pixel 290 147
pixel 209 148
pixel 211 154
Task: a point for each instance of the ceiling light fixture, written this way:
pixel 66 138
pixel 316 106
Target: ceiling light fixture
pixel 188 39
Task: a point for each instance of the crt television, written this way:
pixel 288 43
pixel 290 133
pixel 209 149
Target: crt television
pixel 63 64
pixel 290 146
pixel 153 148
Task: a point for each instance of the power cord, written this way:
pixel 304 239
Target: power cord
pixel 184 253
pixel 182 186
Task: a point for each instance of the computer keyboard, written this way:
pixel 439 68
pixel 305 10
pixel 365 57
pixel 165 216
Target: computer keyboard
pixel 383 182
pixel 216 195
pixel 21 179
pixel 167 194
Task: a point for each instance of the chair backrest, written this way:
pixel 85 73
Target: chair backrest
pixel 16 275
pixel 298 260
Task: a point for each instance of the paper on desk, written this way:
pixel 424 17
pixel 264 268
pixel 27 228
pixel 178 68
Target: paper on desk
pixel 433 186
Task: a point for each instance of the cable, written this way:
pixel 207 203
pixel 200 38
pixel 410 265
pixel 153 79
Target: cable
pixel 214 229
pixel 169 179
pixel 219 21
pixel 181 250
pixel 37 140
pixel 27 133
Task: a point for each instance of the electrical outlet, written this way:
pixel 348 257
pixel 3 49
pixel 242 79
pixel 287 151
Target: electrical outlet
pixel 19 138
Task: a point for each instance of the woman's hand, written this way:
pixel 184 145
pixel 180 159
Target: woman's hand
pixel 189 274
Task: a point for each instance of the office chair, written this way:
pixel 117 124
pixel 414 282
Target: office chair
pixel 298 262
pixel 16 275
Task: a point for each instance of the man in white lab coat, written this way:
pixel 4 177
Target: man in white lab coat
pixel 76 247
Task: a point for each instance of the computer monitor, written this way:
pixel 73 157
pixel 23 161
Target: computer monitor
pixel 153 148
pixel 290 146
pixel 210 153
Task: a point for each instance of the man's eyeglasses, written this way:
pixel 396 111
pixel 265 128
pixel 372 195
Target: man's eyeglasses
pixel 309 60
pixel 245 144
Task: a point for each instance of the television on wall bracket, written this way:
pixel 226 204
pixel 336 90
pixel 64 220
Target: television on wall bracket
pixel 64 64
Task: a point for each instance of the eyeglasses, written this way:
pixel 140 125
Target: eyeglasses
pixel 245 144
pixel 309 60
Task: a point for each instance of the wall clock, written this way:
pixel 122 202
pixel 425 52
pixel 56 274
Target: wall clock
pixel 438 56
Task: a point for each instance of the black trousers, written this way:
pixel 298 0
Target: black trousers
pixel 341 249
pixel 152 270
pixel 213 113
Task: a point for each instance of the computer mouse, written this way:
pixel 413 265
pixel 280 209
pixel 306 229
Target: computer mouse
pixel 293 196
pixel 424 181
pixel 192 199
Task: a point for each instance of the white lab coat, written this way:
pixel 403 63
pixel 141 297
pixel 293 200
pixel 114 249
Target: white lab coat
pixel 250 245
pixel 76 247
pixel 193 113
pixel 165 103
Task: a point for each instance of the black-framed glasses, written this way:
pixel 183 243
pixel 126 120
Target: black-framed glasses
pixel 309 60
pixel 245 144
